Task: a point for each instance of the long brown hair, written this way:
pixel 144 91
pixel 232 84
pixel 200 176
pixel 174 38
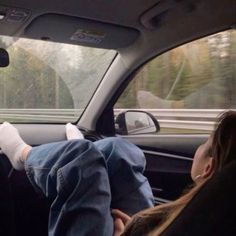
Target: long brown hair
pixel 223 149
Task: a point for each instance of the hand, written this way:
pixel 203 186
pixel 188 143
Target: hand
pixel 120 220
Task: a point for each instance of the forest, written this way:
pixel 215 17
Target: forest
pixel 46 75
pixel 197 75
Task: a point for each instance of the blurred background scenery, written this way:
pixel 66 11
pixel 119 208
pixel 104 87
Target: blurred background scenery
pixel 200 75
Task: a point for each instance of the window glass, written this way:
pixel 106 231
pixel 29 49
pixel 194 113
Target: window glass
pixel 48 81
pixel 187 87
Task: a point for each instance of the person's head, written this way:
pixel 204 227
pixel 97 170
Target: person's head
pixel 218 151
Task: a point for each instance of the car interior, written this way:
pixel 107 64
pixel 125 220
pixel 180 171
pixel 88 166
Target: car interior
pixel 136 31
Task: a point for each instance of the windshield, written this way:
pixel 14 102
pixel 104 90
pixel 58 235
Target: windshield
pixel 47 81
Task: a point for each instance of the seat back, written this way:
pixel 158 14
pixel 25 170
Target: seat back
pixel 212 211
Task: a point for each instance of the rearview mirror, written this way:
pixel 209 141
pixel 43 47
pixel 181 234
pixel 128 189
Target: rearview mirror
pixel 4 58
pixel 136 122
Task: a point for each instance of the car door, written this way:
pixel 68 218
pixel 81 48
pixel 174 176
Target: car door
pixel 169 160
pixel 185 89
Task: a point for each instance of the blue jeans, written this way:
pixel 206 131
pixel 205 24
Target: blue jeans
pixel 84 180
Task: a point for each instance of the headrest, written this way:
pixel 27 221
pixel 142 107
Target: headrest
pixel 212 211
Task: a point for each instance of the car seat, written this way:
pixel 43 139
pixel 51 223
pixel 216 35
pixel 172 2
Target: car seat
pixel 212 211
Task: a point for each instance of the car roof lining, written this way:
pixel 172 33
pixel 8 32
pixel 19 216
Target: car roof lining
pixel 178 29
pixel 136 28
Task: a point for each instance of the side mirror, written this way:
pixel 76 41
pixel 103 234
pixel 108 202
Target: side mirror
pixel 136 122
pixel 4 58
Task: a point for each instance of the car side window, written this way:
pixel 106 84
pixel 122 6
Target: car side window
pixel 186 88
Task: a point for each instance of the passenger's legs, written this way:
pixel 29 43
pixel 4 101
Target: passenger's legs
pixel 126 163
pixel 73 175
pixel 131 191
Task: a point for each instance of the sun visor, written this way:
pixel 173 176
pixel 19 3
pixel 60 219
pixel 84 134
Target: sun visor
pixel 74 30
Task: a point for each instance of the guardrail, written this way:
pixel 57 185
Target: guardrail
pixel 194 119
pixel 40 115
pixel 182 113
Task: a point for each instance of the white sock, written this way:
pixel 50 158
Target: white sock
pixel 72 132
pixel 12 145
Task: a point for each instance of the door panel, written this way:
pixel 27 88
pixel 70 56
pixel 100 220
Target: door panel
pixel 169 160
